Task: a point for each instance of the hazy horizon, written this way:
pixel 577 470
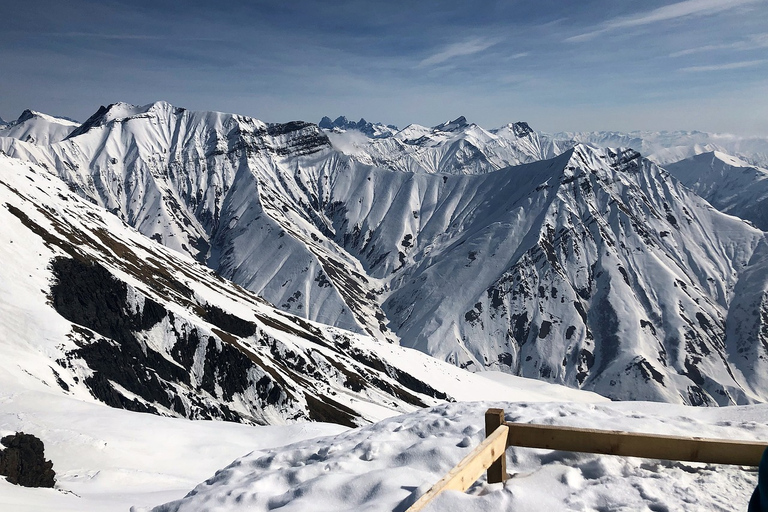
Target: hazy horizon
pixel 604 65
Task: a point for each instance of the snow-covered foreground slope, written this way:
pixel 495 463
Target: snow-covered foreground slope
pixel 109 459
pixel 387 466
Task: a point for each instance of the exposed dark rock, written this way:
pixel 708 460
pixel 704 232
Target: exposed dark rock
pixel 95 120
pixel 330 411
pixel 545 328
pixel 23 461
pixel 229 322
pixel 87 294
pixel 521 129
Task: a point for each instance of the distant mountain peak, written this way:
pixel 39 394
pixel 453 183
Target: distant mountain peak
pixel 121 111
pixel 37 128
pixel 32 114
pixel 521 129
pixel 26 116
pixel 372 130
pixel 452 126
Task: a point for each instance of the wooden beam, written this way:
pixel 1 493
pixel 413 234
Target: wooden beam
pixel 466 472
pixel 650 446
pixel 497 472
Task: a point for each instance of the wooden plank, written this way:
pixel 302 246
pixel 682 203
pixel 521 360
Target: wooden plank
pixel 466 472
pixel 650 446
pixel 497 472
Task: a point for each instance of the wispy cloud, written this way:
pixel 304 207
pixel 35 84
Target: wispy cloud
pixel 128 37
pixel 753 43
pixel 461 49
pixel 668 12
pixel 723 67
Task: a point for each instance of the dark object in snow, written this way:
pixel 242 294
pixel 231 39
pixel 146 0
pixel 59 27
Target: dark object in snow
pixel 23 461
pixel 759 500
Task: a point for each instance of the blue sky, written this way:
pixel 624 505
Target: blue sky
pixel 587 65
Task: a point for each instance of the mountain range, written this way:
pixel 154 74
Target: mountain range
pixel 92 309
pixel 503 249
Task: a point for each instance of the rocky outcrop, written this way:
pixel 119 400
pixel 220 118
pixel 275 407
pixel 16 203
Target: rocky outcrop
pixel 23 462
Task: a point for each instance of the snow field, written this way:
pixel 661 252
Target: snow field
pixel 109 459
pixel 388 465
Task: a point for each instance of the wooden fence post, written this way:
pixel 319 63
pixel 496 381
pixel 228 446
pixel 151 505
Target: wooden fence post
pixel 497 472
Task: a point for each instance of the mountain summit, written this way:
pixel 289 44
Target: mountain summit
pixel 38 128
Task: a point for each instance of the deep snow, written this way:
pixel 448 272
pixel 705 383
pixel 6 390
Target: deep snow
pixel 388 465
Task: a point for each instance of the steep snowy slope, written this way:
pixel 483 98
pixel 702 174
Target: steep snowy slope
pixel 38 128
pixel 667 147
pixel 728 183
pixel 199 182
pixel 96 310
pixel 595 269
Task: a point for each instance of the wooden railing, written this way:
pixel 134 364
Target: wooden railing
pixel 490 454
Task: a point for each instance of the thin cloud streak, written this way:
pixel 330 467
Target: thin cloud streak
pixel 723 67
pixel 755 42
pixel 462 49
pixel 666 13
pixel 129 37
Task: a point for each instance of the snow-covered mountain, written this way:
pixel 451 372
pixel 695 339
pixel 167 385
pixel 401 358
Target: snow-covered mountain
pixel 95 310
pixel 594 268
pixel 38 128
pixel 728 183
pixel 667 147
pixel 205 183
pixel 372 130
pixel 453 147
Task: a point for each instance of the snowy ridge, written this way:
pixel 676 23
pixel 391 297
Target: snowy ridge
pixel 372 130
pixel 454 147
pixel 38 128
pixel 582 235
pixel 728 183
pixel 668 147
pixel 170 173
